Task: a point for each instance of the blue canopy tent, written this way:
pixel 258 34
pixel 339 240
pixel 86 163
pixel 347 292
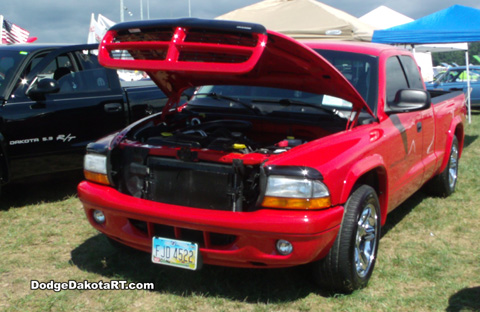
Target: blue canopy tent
pixel 455 24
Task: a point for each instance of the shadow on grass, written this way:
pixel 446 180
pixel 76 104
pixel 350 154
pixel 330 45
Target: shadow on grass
pixel 43 189
pixel 397 215
pixel 246 285
pixel 466 299
pixel 469 139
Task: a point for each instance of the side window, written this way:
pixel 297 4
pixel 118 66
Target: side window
pixel 89 80
pixel 75 72
pixel 59 67
pixel 395 78
pixel 463 77
pixel 474 75
pixel 413 72
pixel 87 59
pixel 34 62
pixel 451 76
pixel 92 76
pixel 89 77
pixel 22 83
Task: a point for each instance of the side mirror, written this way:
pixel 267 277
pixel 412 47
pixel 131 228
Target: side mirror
pixel 409 100
pixel 44 86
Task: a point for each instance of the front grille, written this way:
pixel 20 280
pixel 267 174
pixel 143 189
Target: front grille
pixel 187 181
pixel 192 184
pixel 203 239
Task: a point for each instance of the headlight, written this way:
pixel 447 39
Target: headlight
pixel 95 168
pixel 295 193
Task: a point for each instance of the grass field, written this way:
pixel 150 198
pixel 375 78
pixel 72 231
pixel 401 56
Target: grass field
pixel 429 259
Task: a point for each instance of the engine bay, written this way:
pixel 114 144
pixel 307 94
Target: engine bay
pixel 242 136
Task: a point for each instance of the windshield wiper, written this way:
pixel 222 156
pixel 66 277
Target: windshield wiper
pixel 217 96
pixel 288 102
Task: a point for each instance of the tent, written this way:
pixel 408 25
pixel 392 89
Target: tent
pixel 383 17
pixel 456 24
pixel 303 19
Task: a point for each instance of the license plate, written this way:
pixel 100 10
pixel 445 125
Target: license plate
pixel 174 253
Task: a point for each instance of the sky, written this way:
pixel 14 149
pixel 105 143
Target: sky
pixel 67 21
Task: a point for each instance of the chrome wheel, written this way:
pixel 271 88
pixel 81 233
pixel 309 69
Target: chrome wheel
pixel 365 242
pixel 453 166
pixel 351 260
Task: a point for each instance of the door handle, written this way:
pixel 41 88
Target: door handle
pixel 113 107
pixel 419 126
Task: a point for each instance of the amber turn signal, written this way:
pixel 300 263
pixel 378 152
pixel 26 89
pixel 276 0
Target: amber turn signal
pixel 96 177
pixel 296 203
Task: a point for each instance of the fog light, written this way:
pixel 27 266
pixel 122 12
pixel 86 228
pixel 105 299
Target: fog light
pixel 284 247
pixel 98 216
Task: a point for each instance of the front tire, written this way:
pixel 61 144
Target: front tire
pixel 350 262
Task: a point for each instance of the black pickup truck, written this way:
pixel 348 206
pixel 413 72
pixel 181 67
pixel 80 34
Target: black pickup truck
pixel 54 100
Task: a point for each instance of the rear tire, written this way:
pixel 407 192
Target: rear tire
pixel 350 262
pixel 444 184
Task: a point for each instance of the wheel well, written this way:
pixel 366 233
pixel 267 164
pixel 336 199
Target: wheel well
pixel 459 133
pixel 377 179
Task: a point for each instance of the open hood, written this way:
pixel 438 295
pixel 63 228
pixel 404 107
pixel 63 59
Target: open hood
pixel 183 53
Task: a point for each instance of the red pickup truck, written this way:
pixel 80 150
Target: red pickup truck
pixel 288 153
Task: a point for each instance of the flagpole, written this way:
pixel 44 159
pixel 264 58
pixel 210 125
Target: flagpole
pixel 148 9
pixel 121 11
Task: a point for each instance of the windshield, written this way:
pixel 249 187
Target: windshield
pixel 265 100
pixel 9 62
pixel 361 70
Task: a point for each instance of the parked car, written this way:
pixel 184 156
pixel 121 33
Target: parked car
pixel 55 99
pixel 455 78
pixel 288 153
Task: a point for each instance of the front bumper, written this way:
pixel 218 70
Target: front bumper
pixel 238 239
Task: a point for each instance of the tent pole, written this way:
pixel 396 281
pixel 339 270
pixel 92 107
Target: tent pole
pixel 467 61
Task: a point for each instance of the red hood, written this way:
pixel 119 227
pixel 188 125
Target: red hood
pixel 184 53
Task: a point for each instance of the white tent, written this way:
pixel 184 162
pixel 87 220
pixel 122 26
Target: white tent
pixel 384 17
pixel 303 19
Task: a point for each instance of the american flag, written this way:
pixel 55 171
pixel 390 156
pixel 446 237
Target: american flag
pixel 12 33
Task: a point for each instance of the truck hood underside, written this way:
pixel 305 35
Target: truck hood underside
pixel 184 53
